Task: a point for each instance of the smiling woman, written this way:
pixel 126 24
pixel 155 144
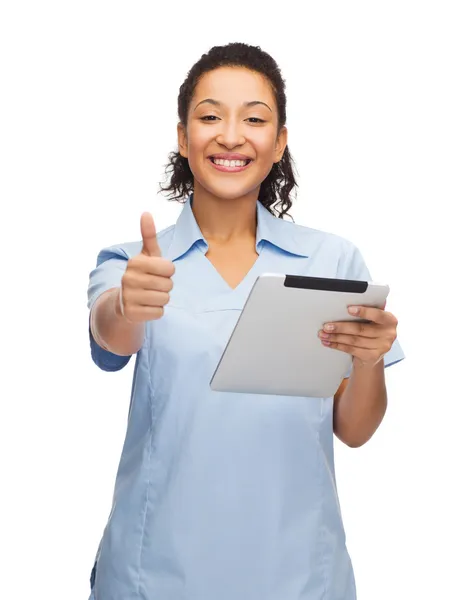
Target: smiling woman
pixel 231 106
pixel 227 496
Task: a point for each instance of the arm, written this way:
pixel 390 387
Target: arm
pixel 361 400
pixel 360 404
pixel 111 330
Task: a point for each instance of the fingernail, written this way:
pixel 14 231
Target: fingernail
pixel 354 310
pixel 329 327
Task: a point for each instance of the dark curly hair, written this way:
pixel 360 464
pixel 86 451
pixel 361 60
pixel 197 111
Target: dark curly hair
pixel 275 190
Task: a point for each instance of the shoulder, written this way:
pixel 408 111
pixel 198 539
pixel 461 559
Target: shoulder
pixel 316 240
pixel 326 252
pixel 127 250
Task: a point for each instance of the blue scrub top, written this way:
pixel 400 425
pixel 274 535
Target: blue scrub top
pixel 222 496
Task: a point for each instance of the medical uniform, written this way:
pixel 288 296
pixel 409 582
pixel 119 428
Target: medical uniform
pixel 222 496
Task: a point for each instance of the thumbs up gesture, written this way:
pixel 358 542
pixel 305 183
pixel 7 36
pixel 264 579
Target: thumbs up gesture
pixel 147 280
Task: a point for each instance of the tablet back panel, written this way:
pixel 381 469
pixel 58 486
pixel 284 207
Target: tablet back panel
pixel 275 348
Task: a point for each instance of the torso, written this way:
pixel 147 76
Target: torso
pixel 222 495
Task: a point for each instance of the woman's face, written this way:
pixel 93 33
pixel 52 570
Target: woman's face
pixel 232 117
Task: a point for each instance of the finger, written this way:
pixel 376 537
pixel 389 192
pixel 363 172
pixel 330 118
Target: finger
pixel 375 315
pixel 161 267
pixel 148 234
pixel 152 298
pixel 350 340
pixel 364 354
pixel 369 330
pixel 145 298
pixel 150 282
pixel 141 314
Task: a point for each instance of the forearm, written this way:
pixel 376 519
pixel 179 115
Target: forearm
pixel 111 330
pixel 362 406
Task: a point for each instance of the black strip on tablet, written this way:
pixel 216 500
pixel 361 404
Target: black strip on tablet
pixel 326 284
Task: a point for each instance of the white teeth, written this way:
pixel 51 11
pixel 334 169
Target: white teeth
pixel 229 163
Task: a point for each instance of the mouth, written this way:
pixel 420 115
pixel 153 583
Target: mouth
pixel 230 166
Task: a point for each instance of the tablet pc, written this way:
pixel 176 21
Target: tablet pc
pixel 274 347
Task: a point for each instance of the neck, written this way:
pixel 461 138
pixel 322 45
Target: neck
pixel 223 220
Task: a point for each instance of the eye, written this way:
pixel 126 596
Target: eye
pixel 255 120
pixel 208 118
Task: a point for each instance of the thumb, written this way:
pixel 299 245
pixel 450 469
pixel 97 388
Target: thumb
pixel 148 234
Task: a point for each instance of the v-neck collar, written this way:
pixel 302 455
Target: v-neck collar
pixel 227 287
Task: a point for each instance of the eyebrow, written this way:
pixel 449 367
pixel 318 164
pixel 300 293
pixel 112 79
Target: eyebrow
pixel 247 104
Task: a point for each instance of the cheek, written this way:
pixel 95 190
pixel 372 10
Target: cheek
pixel 198 139
pixel 196 155
pixel 264 143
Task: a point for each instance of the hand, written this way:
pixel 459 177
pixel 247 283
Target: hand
pixel 367 342
pixel 147 280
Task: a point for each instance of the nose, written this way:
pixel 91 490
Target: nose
pixel 231 134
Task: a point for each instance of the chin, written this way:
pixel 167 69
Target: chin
pixel 232 194
pixel 229 190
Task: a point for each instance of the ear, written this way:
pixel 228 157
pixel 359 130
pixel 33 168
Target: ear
pixel 182 140
pixel 280 146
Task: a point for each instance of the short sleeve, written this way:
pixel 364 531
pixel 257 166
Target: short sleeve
pixel 352 266
pixel 111 265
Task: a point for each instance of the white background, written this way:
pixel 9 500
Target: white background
pixel 88 116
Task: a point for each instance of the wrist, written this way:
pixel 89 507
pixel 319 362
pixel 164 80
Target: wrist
pixel 359 365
